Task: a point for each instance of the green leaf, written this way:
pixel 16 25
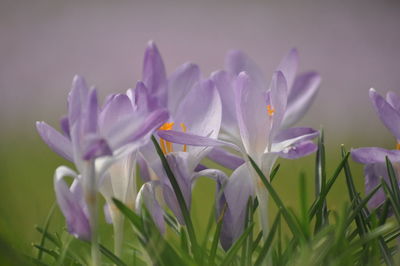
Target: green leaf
pixel 230 255
pixel 180 198
pixel 216 237
pixel 132 217
pixel 113 258
pixel 268 241
pixel 320 183
pixel 318 203
pixel 274 195
pixel 46 227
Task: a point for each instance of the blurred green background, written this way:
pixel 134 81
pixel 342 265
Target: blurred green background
pixel 354 45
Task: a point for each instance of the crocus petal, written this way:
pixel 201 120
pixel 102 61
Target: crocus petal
pixel 388 115
pixel 278 101
pixel 90 122
pixel 179 162
pixel 374 155
pixel 154 73
pixel 237 61
pixel 301 95
pixel 237 191
pixel 201 113
pixel 289 65
pixel 147 197
pixel 291 136
pixel 180 83
pixel 143 169
pixel 194 140
pixel 64 124
pixel 141 98
pixel 77 221
pixel 118 108
pixel 298 150
pixel 56 141
pixel 252 116
pixel 97 147
pixel 120 182
pixel 394 100
pixel 225 158
pixel 224 83
pixel 107 213
pixel 129 131
pixel 373 175
pixel 76 99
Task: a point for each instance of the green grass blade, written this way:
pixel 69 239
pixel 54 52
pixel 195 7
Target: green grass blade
pixel 274 172
pixel 393 180
pixel 318 203
pixel 320 183
pixel 113 258
pixel 230 255
pixel 49 236
pixel 180 198
pixel 274 195
pixel 361 205
pixel 46 227
pixel 216 237
pixel 268 242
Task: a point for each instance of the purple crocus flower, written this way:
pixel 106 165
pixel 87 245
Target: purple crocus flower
pixel 260 116
pixel 194 106
pixel 301 91
pixel 72 203
pixel 94 138
pixel 164 92
pixel 198 113
pixel 374 158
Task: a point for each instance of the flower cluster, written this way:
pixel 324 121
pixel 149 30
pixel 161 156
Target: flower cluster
pixel 228 116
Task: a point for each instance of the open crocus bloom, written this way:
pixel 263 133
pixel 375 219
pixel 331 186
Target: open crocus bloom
pixel 94 138
pixel 108 133
pixel 259 115
pixel 374 158
pixel 198 113
pixel 301 91
pixel 166 93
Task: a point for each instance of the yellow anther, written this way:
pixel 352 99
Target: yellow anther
pixel 184 130
pixel 167 126
pixel 270 110
pixel 398 146
pixel 166 146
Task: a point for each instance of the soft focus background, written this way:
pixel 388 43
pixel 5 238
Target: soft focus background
pixel 353 44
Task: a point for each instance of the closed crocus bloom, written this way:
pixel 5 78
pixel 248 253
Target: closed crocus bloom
pixel 374 158
pixel 72 203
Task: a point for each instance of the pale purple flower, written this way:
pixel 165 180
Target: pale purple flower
pixel 257 117
pixel 301 91
pixel 72 203
pixel 94 138
pixel 91 132
pixel 199 113
pixel 374 158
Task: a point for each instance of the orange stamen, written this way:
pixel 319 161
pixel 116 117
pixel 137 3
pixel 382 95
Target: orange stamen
pixel 166 146
pixel 398 146
pixel 270 110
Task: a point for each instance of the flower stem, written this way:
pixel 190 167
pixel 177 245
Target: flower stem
pixel 92 203
pixel 118 225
